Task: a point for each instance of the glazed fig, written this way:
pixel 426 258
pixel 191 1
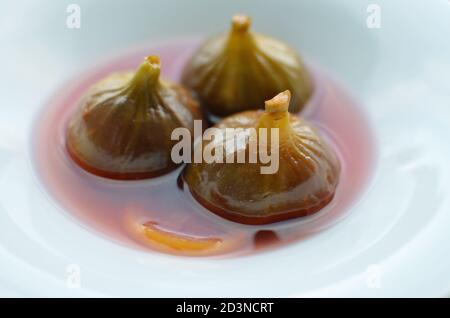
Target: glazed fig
pixel 305 181
pixel 240 70
pixel 122 128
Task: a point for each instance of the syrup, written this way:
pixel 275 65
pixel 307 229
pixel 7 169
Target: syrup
pixel 155 212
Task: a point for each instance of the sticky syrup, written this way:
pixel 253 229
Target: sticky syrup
pixel 119 209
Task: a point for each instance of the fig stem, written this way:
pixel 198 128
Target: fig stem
pixel 276 114
pixel 154 60
pixel 241 23
pixel 280 103
pixel 148 71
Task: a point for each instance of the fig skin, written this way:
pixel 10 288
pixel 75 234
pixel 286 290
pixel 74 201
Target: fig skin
pixel 240 70
pixel 305 182
pixel 122 127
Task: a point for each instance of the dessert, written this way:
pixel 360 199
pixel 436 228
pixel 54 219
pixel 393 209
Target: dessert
pixel 305 181
pixel 239 70
pixel 122 127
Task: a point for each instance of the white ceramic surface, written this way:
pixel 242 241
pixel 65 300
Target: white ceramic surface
pixel 394 242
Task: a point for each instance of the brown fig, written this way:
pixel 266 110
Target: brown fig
pixel 241 69
pixel 305 181
pixel 122 128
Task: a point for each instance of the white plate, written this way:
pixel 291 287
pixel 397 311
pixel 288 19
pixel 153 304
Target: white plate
pixel 393 243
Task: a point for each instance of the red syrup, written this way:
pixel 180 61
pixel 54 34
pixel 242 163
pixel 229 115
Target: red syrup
pixel 117 208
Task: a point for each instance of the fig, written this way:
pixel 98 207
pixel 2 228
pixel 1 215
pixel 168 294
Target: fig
pixel 123 124
pixel 305 181
pixel 240 70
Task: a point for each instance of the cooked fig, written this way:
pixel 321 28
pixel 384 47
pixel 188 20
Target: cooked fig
pixel 305 181
pixel 240 70
pixel 122 128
